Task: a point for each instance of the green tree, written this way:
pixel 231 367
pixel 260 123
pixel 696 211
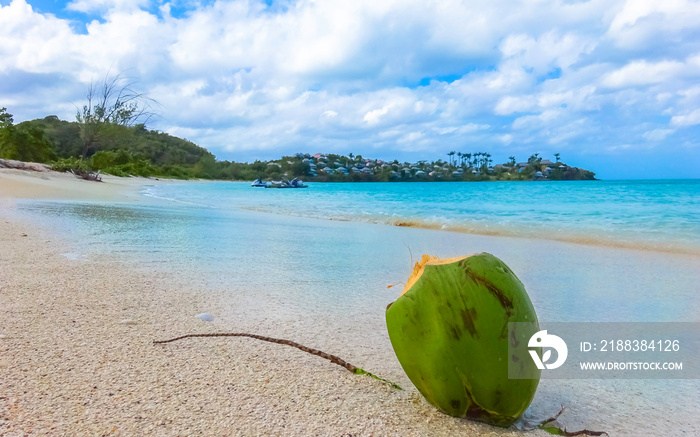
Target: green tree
pixel 113 102
pixel 206 168
pixel 5 133
pixel 23 143
pixel 300 168
pixel 5 118
pixel 557 155
pixel 63 135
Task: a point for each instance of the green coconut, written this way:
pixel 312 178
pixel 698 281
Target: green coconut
pixel 449 329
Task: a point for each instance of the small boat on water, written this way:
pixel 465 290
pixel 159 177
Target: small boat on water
pixel 259 183
pixel 295 183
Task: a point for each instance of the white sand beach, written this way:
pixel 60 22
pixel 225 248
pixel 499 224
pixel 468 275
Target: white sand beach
pixel 23 184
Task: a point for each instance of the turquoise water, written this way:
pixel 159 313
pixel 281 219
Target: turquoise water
pixel 662 215
pixel 279 253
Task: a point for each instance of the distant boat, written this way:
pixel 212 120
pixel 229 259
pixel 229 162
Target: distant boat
pixel 259 183
pixel 295 183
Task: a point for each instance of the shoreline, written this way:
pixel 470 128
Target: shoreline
pixel 579 239
pixel 48 185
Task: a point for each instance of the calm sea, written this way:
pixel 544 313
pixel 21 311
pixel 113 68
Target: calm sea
pixel 659 214
pixel 315 245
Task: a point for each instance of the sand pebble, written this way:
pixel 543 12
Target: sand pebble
pixel 205 316
pixel 127 322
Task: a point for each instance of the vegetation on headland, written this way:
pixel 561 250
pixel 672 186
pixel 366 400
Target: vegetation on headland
pixel 469 167
pixel 120 149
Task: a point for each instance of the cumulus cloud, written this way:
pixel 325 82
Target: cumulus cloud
pixel 375 115
pixel 648 23
pixel 689 119
pixel 102 5
pixel 389 77
pixel 643 73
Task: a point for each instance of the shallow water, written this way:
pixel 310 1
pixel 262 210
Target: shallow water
pixel 317 261
pixel 659 214
pixel 325 282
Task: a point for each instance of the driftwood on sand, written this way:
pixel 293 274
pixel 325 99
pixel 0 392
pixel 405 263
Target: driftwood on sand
pixel 20 165
pixel 87 175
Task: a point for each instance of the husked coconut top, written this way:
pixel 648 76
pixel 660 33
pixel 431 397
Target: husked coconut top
pixel 428 260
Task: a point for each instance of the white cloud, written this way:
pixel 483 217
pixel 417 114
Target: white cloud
pixel 32 42
pixel 506 139
pixel 531 122
pixel 618 148
pixel 641 23
pixel 237 76
pixel 689 119
pixel 103 5
pixel 643 73
pixel 548 51
pixel 410 137
pixel 657 134
pixel 510 104
pixel 375 115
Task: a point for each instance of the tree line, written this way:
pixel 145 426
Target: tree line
pixel 121 149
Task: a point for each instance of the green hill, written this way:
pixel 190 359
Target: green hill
pixel 118 150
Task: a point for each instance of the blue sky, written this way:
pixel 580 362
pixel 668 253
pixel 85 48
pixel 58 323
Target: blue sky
pixel 613 86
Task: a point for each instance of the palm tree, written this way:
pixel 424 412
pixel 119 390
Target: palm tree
pixel 512 160
pixel 460 158
pixel 469 158
pixel 557 155
pixel 451 154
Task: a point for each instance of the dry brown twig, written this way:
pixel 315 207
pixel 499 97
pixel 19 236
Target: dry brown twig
pixel 332 358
